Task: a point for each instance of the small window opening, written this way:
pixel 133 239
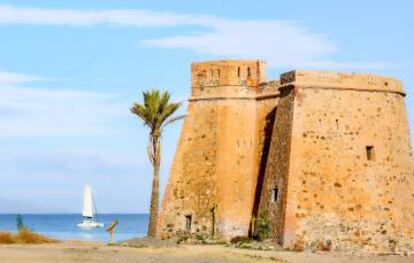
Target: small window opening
pixel 337 124
pixel 275 193
pixel 238 72
pixel 249 73
pixel 213 220
pixel 370 153
pixel 218 73
pixel 188 221
pixel 212 73
pixel 203 74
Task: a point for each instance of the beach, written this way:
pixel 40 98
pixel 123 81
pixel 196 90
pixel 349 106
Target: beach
pixel 64 226
pixel 76 251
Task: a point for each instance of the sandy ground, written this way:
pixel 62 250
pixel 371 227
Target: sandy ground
pixel 71 252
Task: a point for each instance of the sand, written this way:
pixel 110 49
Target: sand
pixel 68 252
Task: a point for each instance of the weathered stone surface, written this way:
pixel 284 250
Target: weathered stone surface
pixel 333 147
pixel 216 166
pixel 331 192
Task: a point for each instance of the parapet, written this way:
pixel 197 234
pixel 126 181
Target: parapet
pixel 337 80
pixel 226 73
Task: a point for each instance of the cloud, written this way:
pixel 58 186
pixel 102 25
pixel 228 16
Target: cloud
pixel 119 17
pixel 281 43
pixel 16 78
pixel 39 111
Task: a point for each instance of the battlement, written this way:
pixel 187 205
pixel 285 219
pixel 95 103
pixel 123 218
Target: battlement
pixel 336 80
pixel 226 77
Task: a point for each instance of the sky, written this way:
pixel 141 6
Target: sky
pixel 70 70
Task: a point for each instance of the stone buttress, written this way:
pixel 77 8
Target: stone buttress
pixel 340 172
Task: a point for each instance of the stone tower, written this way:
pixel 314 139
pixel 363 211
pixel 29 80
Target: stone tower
pixel 340 171
pixel 213 178
pixel 325 157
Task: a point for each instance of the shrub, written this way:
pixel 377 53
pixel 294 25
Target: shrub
pixel 299 245
pixel 182 236
pixel 262 227
pixel 19 223
pixel 24 236
pixel 201 238
pixel 246 245
pixel 238 239
pixel 6 238
pixel 327 246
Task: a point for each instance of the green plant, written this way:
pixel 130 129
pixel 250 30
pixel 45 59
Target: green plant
pixel 262 229
pixel 201 238
pixel 156 112
pixel 246 245
pixel 19 223
pixel 182 236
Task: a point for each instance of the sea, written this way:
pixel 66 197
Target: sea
pixel 63 226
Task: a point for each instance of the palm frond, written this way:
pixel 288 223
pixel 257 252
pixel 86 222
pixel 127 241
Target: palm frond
pixel 171 120
pixel 156 111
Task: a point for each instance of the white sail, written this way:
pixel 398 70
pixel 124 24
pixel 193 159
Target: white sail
pixel 89 211
pixel 88 206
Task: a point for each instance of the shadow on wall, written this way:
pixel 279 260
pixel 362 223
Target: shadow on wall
pixel 268 131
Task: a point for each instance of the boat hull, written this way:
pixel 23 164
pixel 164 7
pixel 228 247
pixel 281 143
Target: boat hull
pixel 90 224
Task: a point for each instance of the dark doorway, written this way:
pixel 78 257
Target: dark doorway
pixel 188 221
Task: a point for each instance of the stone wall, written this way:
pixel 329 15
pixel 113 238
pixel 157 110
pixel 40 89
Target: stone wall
pixel 326 156
pixel 273 192
pixel 192 182
pixel 214 173
pixel 265 117
pixel 351 178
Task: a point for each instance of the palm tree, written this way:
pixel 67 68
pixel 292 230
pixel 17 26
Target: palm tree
pixel 156 113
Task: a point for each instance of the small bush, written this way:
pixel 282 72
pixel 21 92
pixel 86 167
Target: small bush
pixel 24 236
pixel 327 246
pixel 246 245
pixel 238 239
pixel 19 223
pixel 262 227
pixel 6 238
pixel 182 236
pixel 201 238
pixel 299 245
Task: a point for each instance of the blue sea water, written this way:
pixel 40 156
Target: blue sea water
pixel 63 226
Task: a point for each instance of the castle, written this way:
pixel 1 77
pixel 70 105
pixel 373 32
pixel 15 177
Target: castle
pixel 325 156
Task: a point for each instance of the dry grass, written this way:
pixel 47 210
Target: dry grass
pixel 24 236
pixel 6 238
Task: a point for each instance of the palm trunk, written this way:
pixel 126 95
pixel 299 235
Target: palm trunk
pixel 156 161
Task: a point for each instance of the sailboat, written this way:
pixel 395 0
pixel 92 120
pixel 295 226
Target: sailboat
pixel 89 210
